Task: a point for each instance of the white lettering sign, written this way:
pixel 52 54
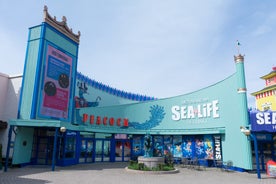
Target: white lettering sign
pixel 200 111
pixel 217 148
pixel 266 118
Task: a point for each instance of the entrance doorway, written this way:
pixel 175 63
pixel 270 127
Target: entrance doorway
pixel 43 150
pixel 102 150
pixel 266 153
pixel 122 152
pixel 87 151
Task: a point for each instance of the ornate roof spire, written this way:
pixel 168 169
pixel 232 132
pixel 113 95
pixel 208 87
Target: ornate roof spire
pixel 61 26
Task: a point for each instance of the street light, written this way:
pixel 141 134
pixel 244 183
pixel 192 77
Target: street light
pixel 247 132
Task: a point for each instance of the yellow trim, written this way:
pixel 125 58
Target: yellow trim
pixel 270 75
pixel 264 90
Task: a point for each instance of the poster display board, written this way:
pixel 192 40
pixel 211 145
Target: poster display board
pixel 56 85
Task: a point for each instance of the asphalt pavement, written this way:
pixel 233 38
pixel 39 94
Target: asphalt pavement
pixel 116 173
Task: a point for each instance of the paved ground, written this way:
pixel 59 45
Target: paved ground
pixel 109 173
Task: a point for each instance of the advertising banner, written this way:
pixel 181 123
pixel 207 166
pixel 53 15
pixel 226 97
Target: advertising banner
pixel 56 85
pixel 263 121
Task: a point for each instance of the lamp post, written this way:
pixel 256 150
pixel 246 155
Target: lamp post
pixel 247 132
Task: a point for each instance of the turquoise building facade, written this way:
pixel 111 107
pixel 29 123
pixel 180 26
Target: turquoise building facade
pixel 66 118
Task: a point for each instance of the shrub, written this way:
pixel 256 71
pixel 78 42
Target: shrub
pixel 141 166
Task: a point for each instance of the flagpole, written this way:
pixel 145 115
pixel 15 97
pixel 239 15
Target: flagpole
pixel 238 47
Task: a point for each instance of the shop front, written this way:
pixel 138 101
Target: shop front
pixel 263 126
pixel 65 118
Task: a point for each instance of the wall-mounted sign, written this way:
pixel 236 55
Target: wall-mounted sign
pixel 200 110
pixel 263 121
pixel 217 150
pixel 56 87
pixel 110 121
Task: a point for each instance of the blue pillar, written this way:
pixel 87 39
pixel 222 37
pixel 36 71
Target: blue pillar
pixel 8 148
pixel 55 149
pixel 256 155
pixel 112 149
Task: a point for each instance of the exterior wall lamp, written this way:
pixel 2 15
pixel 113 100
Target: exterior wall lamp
pixel 247 132
pixel 62 129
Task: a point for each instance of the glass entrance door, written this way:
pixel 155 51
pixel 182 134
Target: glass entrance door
pixel 87 153
pixel 102 150
pixel 122 151
pixel 44 150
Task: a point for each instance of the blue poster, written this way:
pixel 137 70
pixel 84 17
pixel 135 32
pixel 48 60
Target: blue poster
pixel 208 147
pixel 187 147
pixel 137 145
pixel 158 150
pixel 199 147
pixel 177 148
pixel 168 149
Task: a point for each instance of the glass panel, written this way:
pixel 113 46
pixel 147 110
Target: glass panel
pixel 61 148
pixel 70 147
pixel 103 136
pixel 120 136
pixel 127 149
pixel 106 150
pixel 83 150
pixel 89 150
pixel 42 148
pixel 86 150
pixel 98 149
pixel 119 148
pixel 87 135
pixel 122 150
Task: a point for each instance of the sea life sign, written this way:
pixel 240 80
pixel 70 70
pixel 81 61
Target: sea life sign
pixel 263 121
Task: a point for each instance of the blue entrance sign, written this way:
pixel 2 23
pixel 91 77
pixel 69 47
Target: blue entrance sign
pixel 263 121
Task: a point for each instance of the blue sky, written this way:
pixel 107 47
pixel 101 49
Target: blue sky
pixel 159 48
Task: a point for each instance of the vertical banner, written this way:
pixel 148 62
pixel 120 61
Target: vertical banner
pixel 217 150
pixel 56 85
pixel 208 147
